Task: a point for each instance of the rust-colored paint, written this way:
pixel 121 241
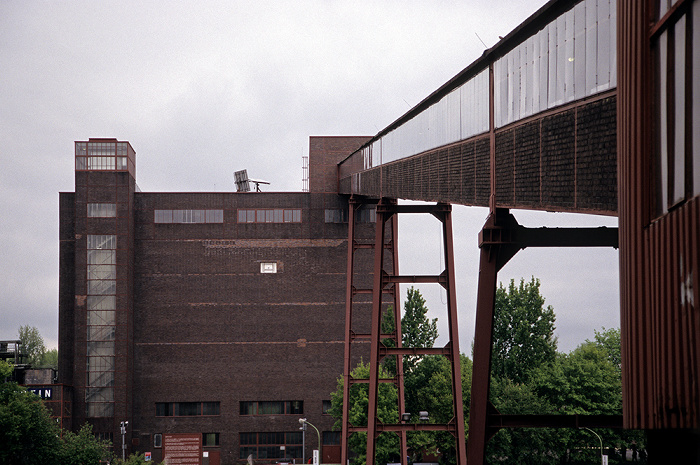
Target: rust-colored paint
pixel 658 256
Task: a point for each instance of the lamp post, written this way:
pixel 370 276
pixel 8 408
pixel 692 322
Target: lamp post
pixel 304 422
pixel 123 426
pixel 603 458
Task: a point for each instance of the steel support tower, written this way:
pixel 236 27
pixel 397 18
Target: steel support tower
pixel 385 281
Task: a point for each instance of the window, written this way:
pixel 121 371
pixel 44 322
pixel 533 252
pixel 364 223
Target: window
pixel 326 407
pixel 157 440
pixel 271 445
pixel 367 215
pixel 105 436
pixel 269 215
pixel 210 408
pixel 331 438
pixel 188 216
pixel 101 210
pixel 101 324
pixel 187 409
pixel 336 215
pixel 677 145
pixel 293 407
pixel 210 439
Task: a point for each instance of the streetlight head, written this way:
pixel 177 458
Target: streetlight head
pixel 302 420
pixel 405 417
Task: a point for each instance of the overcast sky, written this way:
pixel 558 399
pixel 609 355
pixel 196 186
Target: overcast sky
pixel 202 90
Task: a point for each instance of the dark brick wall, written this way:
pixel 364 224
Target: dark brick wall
pixel 558 160
pixel 66 288
pixel 596 168
pixel 208 326
pixel 324 154
pixel 564 161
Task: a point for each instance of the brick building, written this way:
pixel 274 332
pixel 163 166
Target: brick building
pixel 216 318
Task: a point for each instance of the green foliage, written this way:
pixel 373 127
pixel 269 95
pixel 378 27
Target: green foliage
pixel 84 448
pixel 32 344
pixel 585 381
pixel 5 370
pixel 523 331
pixel 29 435
pixel 387 412
pixel 610 341
pixel 416 329
pixel 429 388
pixel 49 359
pixel 134 459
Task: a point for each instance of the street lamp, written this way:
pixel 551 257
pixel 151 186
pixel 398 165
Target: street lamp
pixel 123 426
pixel 303 421
pixel 603 458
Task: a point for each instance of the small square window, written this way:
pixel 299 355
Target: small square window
pixel 210 439
pixel 268 267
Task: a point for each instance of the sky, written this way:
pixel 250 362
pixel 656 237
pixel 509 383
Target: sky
pixel 203 90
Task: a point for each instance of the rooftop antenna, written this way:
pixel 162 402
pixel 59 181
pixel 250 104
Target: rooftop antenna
pixel 243 181
pixel 477 36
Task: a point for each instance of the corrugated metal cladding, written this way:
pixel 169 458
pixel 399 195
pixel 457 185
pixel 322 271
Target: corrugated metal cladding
pixel 671 245
pixel 659 271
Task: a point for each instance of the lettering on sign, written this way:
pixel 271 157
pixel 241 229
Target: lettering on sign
pixel 44 393
pixel 182 449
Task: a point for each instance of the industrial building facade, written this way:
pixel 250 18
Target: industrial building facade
pixel 216 318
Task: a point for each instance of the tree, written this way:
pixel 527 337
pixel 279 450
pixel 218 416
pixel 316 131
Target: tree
pixel 429 388
pixel 523 331
pixel 387 446
pixel 610 341
pixel 32 344
pixel 50 359
pixel 84 448
pixel 28 435
pixel 416 329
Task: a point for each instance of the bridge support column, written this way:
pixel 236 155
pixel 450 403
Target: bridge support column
pixel 500 239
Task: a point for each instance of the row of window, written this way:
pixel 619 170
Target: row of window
pixel 189 216
pixel 187 409
pixel 102 210
pixel 100 163
pixel 290 407
pixel 571 57
pixel 269 215
pixel 260 215
pixel 101 156
pixel 340 215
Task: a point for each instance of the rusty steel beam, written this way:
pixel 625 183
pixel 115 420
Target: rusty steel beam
pixel 554 421
pixel 403 428
pixel 447 351
pixel 387 210
pixel 349 335
pixel 377 287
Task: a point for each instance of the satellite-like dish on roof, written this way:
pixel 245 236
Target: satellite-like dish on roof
pixel 243 181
